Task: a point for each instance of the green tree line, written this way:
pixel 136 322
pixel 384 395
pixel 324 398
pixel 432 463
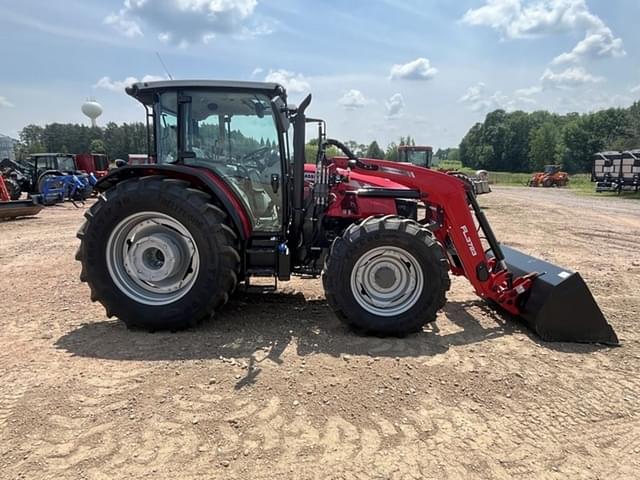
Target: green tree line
pixel 524 142
pixel 117 141
pixel 372 150
pixel 515 141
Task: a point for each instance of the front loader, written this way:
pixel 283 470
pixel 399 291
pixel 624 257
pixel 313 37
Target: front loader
pixel 10 204
pixel 167 243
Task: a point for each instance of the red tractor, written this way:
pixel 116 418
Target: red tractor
pixel 422 156
pixel 166 244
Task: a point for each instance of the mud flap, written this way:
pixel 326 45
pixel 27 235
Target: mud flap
pixel 559 307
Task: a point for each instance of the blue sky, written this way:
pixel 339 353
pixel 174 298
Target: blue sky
pixel 377 69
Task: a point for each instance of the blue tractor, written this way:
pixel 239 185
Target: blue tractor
pixel 53 176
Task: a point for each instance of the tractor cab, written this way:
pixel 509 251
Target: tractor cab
pixel 551 169
pixel 41 165
pixel 421 156
pixel 61 162
pixel 234 130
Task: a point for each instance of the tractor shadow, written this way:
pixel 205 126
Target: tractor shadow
pixel 257 326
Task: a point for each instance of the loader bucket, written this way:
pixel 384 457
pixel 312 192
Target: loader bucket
pixel 559 307
pixel 19 208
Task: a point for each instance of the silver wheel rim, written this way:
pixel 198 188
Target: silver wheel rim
pixel 387 281
pixel 152 258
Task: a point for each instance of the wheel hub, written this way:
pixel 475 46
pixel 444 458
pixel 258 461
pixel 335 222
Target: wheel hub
pixel 386 277
pixel 152 258
pixel 387 281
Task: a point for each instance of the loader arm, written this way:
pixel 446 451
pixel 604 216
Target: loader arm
pixel 555 302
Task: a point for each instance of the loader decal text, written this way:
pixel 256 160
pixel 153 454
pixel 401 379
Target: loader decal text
pixel 467 237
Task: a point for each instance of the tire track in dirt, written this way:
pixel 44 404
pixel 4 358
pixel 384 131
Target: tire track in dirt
pixel 271 428
pixel 9 400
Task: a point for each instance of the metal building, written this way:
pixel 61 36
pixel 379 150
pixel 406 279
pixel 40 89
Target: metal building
pixel 7 145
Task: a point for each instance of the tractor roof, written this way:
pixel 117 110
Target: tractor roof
pixel 144 91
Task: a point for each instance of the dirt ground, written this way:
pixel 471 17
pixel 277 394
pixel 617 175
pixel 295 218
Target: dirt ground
pixel 274 387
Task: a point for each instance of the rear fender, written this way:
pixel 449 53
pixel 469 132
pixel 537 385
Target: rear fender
pixel 199 177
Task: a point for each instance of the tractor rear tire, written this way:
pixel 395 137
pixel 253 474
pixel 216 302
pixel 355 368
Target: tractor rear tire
pixel 386 276
pixel 133 221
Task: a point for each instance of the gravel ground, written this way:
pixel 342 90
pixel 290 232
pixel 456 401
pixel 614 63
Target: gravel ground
pixel 275 387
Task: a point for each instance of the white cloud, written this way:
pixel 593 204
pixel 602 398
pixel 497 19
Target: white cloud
pixel 528 92
pixel 395 105
pixel 478 99
pixel 418 69
pixel 635 89
pixel 5 103
pixel 120 85
pixel 126 26
pixel 571 77
pixel 292 82
pixel 597 43
pixel 256 71
pixel 353 99
pixel 527 18
pixel 535 18
pixel 186 21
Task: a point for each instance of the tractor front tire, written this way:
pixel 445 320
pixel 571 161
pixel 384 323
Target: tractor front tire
pixel 158 254
pixel 386 276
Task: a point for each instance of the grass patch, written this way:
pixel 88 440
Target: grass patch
pixel 509 178
pixel 580 183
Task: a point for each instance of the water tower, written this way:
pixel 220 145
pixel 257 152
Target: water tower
pixel 92 109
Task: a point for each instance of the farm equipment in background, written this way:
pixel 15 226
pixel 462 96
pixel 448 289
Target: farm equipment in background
pixel 58 188
pixel 13 207
pixel 551 177
pixel 53 176
pixel 167 244
pixel 616 171
pixel 422 156
pixel 16 176
pixel 96 163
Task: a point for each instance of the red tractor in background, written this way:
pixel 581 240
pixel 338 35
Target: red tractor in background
pixel 166 244
pixel 96 163
pixel 422 156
